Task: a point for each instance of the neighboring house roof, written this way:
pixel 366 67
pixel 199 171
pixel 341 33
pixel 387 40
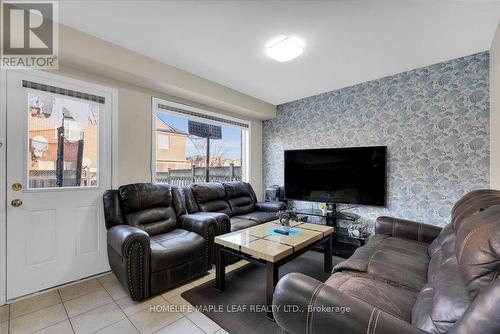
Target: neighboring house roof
pixel 168 128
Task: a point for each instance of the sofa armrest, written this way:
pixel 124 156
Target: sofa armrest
pixel 129 251
pixel 121 237
pixel 208 227
pixel 270 206
pixel 302 304
pixel 199 223
pixel 406 229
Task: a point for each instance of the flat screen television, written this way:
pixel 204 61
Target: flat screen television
pixel 354 175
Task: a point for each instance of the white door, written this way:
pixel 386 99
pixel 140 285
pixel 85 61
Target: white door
pixel 58 165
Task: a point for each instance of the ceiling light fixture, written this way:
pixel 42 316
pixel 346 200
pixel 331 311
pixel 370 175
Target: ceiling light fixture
pixel 285 48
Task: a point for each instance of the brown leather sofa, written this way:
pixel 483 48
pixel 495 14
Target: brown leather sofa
pixel 409 278
pixel 153 245
pixel 236 200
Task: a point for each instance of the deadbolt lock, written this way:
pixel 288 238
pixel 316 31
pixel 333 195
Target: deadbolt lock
pixel 17 186
pixel 16 202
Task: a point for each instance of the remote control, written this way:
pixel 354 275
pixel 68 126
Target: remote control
pixel 281 231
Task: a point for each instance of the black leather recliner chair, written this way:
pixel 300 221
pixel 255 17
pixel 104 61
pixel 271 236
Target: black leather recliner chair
pixel 153 245
pixel 236 200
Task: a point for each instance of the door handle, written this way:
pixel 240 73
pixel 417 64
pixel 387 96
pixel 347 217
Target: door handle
pixel 16 202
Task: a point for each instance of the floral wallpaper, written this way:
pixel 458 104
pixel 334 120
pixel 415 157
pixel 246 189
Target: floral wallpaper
pixel 434 121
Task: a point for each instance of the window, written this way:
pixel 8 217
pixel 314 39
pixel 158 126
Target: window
pixel 163 142
pixel 194 145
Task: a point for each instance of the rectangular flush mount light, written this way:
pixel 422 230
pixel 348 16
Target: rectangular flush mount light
pixel 284 48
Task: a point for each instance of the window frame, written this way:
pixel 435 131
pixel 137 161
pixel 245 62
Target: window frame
pixel 246 143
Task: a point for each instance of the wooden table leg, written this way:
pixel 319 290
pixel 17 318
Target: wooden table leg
pixel 328 266
pixel 272 279
pixel 220 268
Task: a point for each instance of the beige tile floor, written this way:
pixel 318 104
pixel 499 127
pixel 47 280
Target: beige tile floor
pixel 101 305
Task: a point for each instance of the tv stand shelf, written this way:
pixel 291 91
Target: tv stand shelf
pixel 329 215
pixel 344 244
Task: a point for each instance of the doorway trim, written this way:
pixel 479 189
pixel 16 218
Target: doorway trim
pixel 3 187
pixel 3 154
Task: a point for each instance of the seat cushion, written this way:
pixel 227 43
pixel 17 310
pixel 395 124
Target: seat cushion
pixel 394 300
pixel 259 216
pixel 398 261
pixel 176 247
pixel 240 223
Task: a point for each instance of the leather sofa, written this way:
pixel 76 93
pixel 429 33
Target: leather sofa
pixel 153 244
pixel 409 278
pixel 233 204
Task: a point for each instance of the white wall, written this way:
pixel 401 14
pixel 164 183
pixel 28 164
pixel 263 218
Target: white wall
pixel 495 111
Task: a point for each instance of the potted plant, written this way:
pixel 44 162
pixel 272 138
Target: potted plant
pixel 323 208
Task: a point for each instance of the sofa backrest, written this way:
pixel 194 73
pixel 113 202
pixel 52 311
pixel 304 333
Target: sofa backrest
pixel 231 198
pixel 465 263
pixel 240 196
pixel 478 248
pixel 207 197
pixel 471 203
pixel 148 206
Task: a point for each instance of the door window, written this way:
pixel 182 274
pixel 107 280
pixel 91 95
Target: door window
pixel 62 141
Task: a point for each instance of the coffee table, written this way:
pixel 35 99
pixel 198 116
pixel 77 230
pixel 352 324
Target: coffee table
pixel 260 244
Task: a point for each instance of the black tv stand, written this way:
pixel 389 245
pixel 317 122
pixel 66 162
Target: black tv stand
pixel 330 217
pixel 344 244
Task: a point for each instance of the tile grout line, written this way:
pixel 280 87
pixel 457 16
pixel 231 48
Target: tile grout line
pixel 114 302
pixel 56 323
pixel 38 330
pixel 126 315
pixel 200 327
pixel 65 310
pixel 156 331
pixel 109 293
pixel 61 302
pixel 25 314
pixel 132 323
pixel 100 329
pixel 186 316
pixel 165 299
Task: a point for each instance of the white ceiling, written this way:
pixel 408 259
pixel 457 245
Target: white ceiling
pixel 347 42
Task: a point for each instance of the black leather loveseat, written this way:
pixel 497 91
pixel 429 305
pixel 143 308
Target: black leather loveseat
pixel 153 245
pixel 236 200
pixel 409 278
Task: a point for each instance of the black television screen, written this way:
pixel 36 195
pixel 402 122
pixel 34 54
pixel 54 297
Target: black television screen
pixel 355 175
